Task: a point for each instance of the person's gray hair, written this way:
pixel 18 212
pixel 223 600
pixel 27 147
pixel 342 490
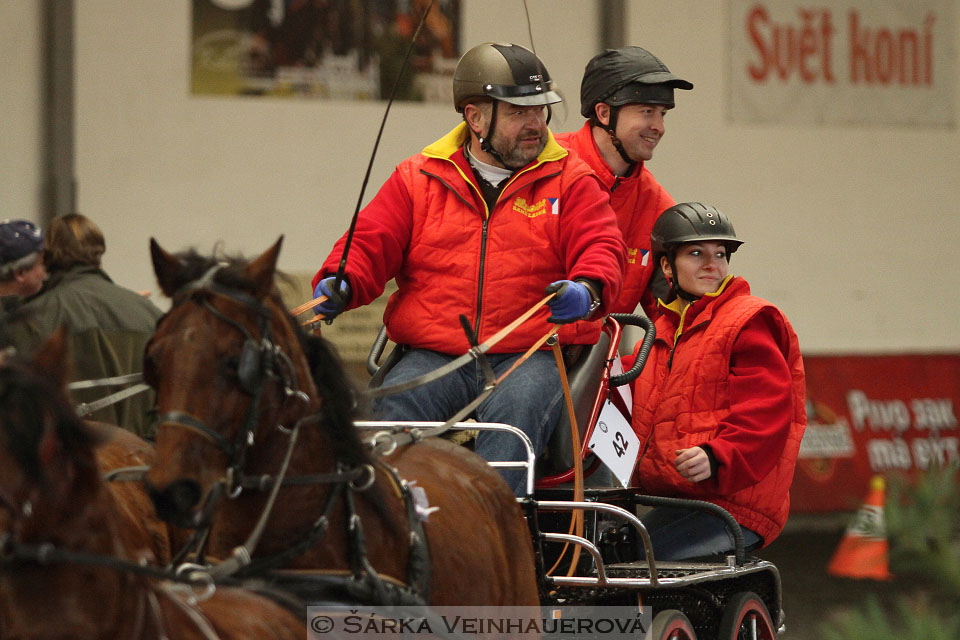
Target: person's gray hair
pixel 8 270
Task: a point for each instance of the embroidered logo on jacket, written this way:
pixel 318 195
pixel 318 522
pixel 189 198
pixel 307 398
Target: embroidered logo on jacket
pixel 530 210
pixel 644 256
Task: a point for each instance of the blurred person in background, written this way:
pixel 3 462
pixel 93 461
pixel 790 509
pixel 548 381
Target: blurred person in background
pixel 108 325
pixel 22 271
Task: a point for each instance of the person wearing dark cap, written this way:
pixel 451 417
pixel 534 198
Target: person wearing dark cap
pixel 625 94
pixel 481 225
pixel 108 324
pixel 22 270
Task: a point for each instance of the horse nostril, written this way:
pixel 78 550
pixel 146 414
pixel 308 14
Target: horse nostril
pixel 177 500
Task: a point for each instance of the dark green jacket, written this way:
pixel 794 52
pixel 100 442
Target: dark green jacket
pixel 108 327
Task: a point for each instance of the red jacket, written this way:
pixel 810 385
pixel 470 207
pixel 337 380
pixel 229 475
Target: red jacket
pixel 429 228
pixel 733 381
pixel 637 200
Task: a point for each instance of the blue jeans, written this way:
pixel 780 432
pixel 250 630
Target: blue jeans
pixel 678 533
pixel 530 399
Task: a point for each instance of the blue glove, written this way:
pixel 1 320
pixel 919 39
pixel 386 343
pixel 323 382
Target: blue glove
pixel 335 302
pixel 571 303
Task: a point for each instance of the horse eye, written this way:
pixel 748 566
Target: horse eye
pixel 231 367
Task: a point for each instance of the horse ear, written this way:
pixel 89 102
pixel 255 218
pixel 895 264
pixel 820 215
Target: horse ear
pixel 52 357
pixel 261 270
pixel 166 266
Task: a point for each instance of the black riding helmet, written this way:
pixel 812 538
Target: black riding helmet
pixel 629 75
pixel 501 71
pixel 690 222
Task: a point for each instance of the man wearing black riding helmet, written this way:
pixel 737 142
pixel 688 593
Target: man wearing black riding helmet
pixel 625 95
pixel 480 224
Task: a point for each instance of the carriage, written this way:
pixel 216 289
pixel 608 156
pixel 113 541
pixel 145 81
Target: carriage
pixel 229 449
pixel 728 598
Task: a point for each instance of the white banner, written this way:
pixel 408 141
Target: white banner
pixel 843 61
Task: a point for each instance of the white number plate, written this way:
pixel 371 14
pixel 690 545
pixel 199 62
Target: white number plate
pixel 615 443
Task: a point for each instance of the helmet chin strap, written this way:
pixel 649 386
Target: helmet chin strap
pixel 486 143
pixel 617 144
pixel 675 282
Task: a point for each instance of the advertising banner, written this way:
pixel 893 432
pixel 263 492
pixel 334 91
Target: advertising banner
pixel 842 61
pixel 871 415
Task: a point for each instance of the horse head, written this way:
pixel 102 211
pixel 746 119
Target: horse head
pixel 231 378
pixel 48 472
pixel 51 495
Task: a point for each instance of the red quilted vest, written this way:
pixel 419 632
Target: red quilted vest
pixel 682 407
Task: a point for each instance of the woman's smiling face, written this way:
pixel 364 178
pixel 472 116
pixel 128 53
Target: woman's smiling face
pixel 701 266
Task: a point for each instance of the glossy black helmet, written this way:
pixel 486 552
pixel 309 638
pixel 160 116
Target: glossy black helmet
pixel 691 222
pixel 506 72
pixel 627 75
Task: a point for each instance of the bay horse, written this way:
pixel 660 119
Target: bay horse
pixel 235 376
pixel 64 562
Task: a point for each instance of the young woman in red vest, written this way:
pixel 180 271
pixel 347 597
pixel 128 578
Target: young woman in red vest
pixel 719 407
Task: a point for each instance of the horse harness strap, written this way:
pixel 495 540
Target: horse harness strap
pixel 364 579
pixel 183 419
pixel 46 554
pixel 418 561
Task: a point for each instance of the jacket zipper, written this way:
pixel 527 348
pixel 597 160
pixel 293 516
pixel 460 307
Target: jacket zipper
pixel 483 264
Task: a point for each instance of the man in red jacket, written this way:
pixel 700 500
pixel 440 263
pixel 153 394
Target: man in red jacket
pixel 482 223
pixel 625 95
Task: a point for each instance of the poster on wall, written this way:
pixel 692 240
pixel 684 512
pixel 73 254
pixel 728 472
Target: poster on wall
pixel 869 415
pixel 883 62
pixel 333 49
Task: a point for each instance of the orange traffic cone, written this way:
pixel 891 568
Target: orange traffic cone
pixel 863 551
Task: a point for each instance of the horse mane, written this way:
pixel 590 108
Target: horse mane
pixel 338 392
pixel 29 405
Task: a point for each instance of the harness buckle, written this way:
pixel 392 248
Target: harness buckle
pixel 371 477
pixel 384 443
pixel 233 485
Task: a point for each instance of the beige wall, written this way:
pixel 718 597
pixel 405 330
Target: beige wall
pixel 850 230
pixel 20 115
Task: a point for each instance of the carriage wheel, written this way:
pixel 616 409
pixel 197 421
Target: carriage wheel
pixel 671 624
pixel 745 617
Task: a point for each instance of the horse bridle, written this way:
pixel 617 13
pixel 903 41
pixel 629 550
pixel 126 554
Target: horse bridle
pixel 258 359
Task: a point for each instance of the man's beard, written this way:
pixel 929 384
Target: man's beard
pixel 512 155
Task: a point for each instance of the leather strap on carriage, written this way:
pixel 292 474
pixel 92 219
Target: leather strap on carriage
pixel 576 516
